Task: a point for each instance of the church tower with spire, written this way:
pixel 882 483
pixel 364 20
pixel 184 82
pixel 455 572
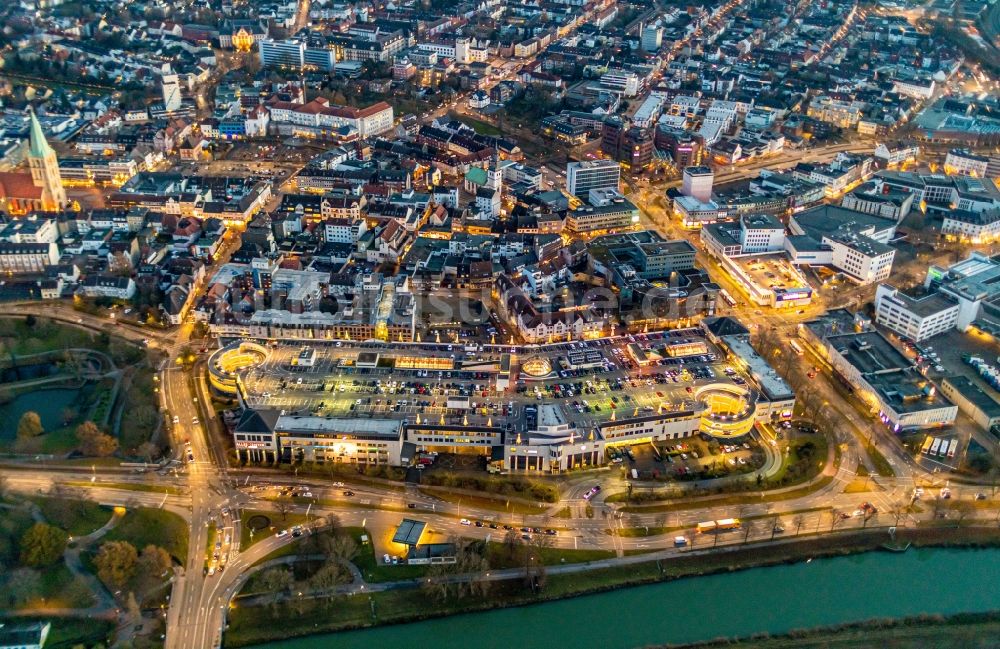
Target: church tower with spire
pixel 45 168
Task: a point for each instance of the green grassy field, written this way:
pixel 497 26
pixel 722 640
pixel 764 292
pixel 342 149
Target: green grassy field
pixel 144 526
pixel 77 517
pixel 483 128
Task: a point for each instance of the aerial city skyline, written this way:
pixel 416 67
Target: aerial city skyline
pixel 327 316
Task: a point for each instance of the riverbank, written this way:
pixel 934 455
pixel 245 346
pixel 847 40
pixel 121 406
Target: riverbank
pixel 259 624
pixel 962 631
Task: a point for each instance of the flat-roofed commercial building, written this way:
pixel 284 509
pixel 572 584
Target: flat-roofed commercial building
pixel 341 441
pixel 972 401
pixel 899 395
pixel 609 213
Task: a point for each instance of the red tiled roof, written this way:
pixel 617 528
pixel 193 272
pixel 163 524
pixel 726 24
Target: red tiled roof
pixel 18 185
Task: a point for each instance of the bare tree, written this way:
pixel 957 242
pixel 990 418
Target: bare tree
pixel 775 524
pixel 462 579
pixel 276 581
pixel 511 541
pixel 897 510
pixel 534 571
pixel 963 509
pixel 836 518
pixel 332 523
pixel 798 521
pixel 282 507
pixel 748 528
pixel 937 507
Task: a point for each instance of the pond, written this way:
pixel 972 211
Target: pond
pixel 49 404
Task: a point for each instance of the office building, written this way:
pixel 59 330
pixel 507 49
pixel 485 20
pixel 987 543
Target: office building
pixel 697 183
pixel 916 318
pixel 962 296
pixel 279 54
pixel 171 93
pixel 652 38
pixel 581 177
pixel 607 211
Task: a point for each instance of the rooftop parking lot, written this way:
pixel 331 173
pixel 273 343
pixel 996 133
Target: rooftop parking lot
pixel 464 389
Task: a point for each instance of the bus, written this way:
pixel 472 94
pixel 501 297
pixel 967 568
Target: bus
pixel 727 297
pixel 797 348
pixel 927 445
pixel 936 446
pixel 719 526
pixel 952 448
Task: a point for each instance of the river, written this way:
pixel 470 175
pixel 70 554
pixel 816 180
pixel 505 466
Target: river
pixel 773 600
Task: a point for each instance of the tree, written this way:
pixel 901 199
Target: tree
pixel 283 507
pixel 470 563
pixel 963 509
pixel 775 524
pixel 42 545
pixel 30 425
pixel 511 542
pixel 93 442
pixel 148 451
pixel 897 510
pixel 749 527
pixel 68 415
pixel 62 507
pixel 798 521
pixel 343 548
pixel 275 581
pixel 332 523
pixel 835 518
pixel 116 563
pixel 328 576
pixel 937 507
pixel 150 568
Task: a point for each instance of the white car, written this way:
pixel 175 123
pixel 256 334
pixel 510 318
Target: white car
pixel 177 419
pixel 465 521
pixel 282 534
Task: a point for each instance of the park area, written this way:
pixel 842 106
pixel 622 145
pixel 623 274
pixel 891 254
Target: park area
pixel 74 561
pixel 64 389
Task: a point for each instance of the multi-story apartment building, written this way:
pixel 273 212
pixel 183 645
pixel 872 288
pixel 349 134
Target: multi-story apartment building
pixel 21 258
